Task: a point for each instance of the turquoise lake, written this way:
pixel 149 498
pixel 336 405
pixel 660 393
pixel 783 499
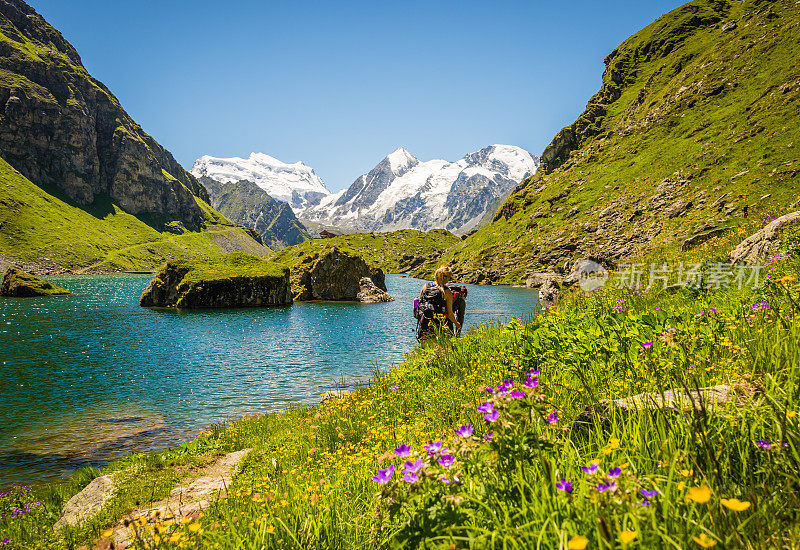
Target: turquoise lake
pixel 90 377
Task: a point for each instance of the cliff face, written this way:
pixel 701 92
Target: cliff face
pixel 246 203
pixel 689 143
pixel 60 126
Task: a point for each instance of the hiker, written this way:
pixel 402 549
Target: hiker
pixel 434 309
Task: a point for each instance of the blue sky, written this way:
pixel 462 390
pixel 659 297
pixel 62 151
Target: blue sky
pixel 339 85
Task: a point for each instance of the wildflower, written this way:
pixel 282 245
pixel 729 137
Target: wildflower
pixel 647 345
pixel 194 527
pixel 712 309
pixel 403 451
pixel 446 460
pixel 698 314
pixel 384 475
pixel 704 540
pixel 577 542
pixel 411 477
pixel 533 373
pixel 700 495
pixel 434 447
pixel 603 487
pixel 270 529
pixel 735 504
pixel 531 382
pixel 552 417
pixel 489 436
pixel 486 407
pixel 464 431
pixel 411 467
pixel 627 536
pixel 446 481
pixel 649 494
pixel 4 541
pixel 613 443
pixel 516 395
pixel 614 472
pixel 590 469
pixel 763 444
pixel 564 485
pixel 644 503
pixel 395 387
pixel 492 416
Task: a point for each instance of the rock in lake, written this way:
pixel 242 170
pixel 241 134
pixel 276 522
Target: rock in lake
pixel 371 294
pixel 333 274
pixel 20 284
pixel 234 280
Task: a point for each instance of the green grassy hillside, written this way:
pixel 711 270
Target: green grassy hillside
pixel 393 252
pixel 44 228
pixel 694 130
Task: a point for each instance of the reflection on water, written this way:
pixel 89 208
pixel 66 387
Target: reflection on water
pixel 92 376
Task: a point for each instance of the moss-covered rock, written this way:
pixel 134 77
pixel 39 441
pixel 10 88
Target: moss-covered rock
pixel 20 284
pixel 234 280
pixel 329 273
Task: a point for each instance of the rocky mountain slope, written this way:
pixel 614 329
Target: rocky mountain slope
pixel 296 183
pixel 81 184
pixel 402 192
pixel 248 204
pixel 690 141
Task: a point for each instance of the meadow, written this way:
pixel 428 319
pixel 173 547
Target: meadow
pixel 509 438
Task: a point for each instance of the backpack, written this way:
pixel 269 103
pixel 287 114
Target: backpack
pixel 430 309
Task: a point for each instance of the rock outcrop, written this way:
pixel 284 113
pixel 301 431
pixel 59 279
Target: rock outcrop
pixel 235 280
pixel 371 294
pixel 19 284
pixel 760 244
pixel 59 126
pixel 333 274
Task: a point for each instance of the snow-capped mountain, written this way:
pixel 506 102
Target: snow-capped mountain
pixel 296 183
pixel 402 192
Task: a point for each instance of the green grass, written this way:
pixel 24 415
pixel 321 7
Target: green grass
pixel 308 482
pixel 25 284
pixel 227 267
pixel 737 146
pixel 41 225
pixel 389 251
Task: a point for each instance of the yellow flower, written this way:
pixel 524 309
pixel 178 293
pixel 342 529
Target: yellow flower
pixel 705 541
pixel 627 536
pixel 577 542
pixel 700 495
pixel 791 414
pixel 613 443
pixel 194 527
pixel 735 504
pixel 108 533
pixel 681 485
pixel 686 473
pixel 185 520
pixel 270 529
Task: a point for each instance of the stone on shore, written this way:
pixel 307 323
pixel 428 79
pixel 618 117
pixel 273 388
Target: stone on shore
pixel 333 274
pixel 234 280
pixel 19 284
pixel 86 504
pixel 371 294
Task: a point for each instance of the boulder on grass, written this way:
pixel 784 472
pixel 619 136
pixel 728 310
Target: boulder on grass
pixel 19 284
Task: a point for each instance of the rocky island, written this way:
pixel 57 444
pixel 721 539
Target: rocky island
pixel 234 280
pixel 19 284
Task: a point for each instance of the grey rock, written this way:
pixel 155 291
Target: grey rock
pixel 760 244
pixel 371 294
pixel 87 503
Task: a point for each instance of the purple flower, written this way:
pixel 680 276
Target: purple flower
pixel 649 494
pixel 384 475
pixel 411 478
pixel 394 387
pixel 446 460
pixel 531 382
pixel 434 447
pixel 603 487
pixel 412 467
pixel 516 395
pixel 492 416
pixel 644 503
pixel 698 314
pixel 590 469
pixel 4 541
pixel 486 407
pixel 564 485
pixel 749 318
pixel 646 345
pixel 490 389
pixel 552 418
pixel 614 472
pixel 403 451
pixel 712 309
pixel 763 444
pixel 446 481
pixel 489 436
pixel 507 383
pixel 533 372
pixel 465 431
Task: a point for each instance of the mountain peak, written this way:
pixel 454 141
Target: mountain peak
pixel 400 159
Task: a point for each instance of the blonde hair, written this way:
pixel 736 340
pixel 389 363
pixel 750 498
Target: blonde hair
pixel 441 274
